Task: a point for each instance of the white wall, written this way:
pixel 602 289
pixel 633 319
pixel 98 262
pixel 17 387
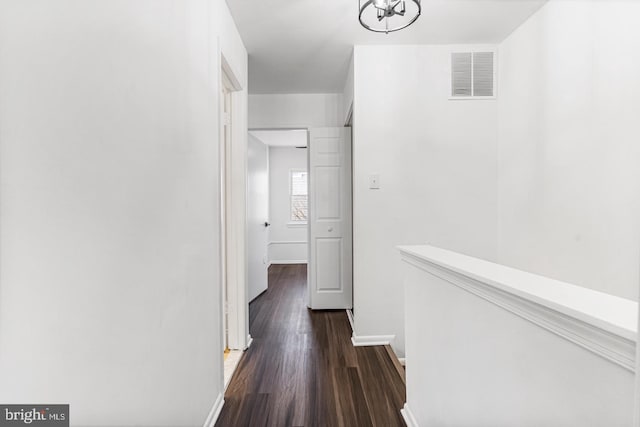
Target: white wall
pixel 295 110
pixel 288 241
pixel 257 215
pixel 493 368
pixel 569 181
pixel 437 164
pixel 110 296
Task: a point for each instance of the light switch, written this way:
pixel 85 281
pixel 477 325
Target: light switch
pixel 374 182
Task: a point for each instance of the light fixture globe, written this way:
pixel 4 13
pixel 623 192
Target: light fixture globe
pixel 386 16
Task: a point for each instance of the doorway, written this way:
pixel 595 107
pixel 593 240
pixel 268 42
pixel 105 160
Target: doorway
pixel 232 212
pixel 310 173
pixel 286 227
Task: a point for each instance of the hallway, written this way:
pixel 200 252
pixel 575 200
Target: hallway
pixel 302 369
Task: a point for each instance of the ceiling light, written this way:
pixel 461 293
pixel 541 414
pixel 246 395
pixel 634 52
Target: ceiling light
pixel 385 16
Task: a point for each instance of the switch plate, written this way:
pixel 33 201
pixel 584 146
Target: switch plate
pixel 374 182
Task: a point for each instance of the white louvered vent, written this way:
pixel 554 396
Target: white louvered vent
pixel 461 74
pixel 483 74
pixel 472 75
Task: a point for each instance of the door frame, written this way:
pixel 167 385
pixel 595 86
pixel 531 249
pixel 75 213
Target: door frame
pixel 225 136
pixel 299 128
pixel 232 168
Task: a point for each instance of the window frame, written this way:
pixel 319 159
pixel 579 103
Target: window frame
pixel 297 222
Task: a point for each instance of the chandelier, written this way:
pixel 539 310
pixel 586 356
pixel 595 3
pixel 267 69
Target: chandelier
pixel 386 16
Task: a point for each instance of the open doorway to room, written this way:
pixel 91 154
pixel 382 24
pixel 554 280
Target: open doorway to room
pixel 286 227
pixel 309 210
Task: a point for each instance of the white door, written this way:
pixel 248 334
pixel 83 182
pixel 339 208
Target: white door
pixel 330 240
pixel 257 215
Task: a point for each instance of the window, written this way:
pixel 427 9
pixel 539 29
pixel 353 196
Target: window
pixel 298 195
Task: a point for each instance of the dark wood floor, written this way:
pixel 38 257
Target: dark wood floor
pixel 302 370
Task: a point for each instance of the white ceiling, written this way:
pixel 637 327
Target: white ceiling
pixel 282 138
pixel 304 46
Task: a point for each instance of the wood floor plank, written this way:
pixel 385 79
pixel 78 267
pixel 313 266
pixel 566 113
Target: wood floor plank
pixel 350 400
pixel 379 380
pixel 396 363
pixel 302 369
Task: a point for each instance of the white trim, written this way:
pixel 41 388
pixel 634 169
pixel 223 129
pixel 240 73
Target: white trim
pixel 228 76
pixel 408 416
pixel 349 120
pixel 236 229
pixel 369 340
pixel 351 320
pixel 297 224
pixel 402 361
pixel 214 413
pixel 603 333
pixel 288 242
pixel 289 261
pixel 249 341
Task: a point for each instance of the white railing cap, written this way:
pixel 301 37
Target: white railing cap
pixel 614 314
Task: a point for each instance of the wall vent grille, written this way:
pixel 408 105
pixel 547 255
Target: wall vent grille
pixel 461 74
pixel 472 75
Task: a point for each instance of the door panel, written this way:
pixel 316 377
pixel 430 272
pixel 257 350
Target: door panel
pixel 257 215
pixel 330 237
pixel 327 197
pixel 329 251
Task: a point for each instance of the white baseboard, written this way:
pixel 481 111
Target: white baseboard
pixel 214 413
pixel 408 417
pixel 294 261
pixel 367 340
pixel 350 317
pixel 402 361
pixel 249 341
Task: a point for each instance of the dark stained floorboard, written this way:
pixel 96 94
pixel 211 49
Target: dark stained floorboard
pixel 302 370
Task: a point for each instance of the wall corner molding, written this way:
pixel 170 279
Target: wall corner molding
pixel 249 341
pixel 214 413
pixel 408 416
